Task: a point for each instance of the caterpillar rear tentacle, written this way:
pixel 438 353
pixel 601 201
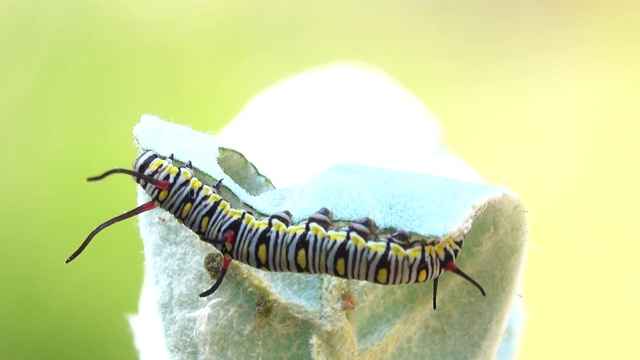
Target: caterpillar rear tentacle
pixel 316 246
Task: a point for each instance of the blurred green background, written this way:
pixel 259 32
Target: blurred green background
pixel 541 97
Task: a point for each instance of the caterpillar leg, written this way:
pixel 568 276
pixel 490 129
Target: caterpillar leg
pixel 229 235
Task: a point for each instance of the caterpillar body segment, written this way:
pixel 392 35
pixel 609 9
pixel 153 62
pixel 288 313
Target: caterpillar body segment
pixel 315 246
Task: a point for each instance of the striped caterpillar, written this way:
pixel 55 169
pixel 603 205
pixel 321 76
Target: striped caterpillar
pixel 315 246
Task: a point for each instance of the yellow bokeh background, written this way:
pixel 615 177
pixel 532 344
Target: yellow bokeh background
pixel 541 97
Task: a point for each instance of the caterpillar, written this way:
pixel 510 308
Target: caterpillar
pixel 315 246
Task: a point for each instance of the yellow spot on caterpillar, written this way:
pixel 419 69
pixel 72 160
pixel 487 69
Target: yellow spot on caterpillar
pixel 317 230
pixel 337 236
pixel 186 174
pixel 172 170
pixel 430 250
pixel 440 249
pixel 262 253
pixel 185 210
pixel 302 258
pixel 224 206
pixel 235 213
pixel 340 268
pixel 357 240
pixel 207 191
pixel 195 184
pixel 414 253
pixel 229 247
pixel 260 224
pixel 204 223
pixel 422 275
pixel 163 195
pixel 214 197
pixel 249 220
pixel 382 276
pixel 449 242
pixel 264 268
pixel 279 227
pixel 376 246
pixel 397 250
pixel 296 229
pixel 156 164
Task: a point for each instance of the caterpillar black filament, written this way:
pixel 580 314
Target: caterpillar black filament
pixel 316 246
